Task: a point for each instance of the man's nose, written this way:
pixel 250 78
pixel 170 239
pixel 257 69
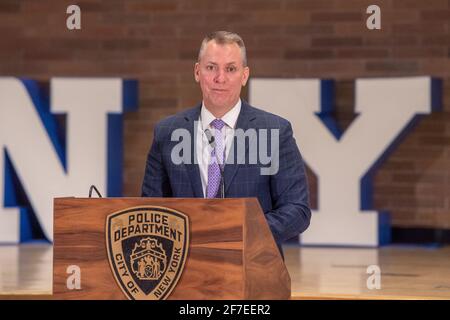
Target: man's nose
pixel 220 76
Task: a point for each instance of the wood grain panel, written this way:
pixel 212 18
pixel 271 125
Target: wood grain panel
pixel 262 259
pixel 214 267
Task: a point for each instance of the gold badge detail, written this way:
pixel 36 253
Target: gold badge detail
pixel 147 249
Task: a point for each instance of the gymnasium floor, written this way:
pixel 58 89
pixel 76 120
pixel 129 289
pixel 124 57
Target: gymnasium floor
pixel 407 272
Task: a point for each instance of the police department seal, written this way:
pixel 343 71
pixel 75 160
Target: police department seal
pixel 147 249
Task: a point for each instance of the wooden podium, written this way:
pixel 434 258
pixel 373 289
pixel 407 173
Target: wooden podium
pixel 231 252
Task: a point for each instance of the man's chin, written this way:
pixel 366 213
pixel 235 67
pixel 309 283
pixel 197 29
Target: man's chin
pixel 221 104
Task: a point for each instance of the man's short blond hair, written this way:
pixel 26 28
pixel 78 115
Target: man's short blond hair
pixel 224 37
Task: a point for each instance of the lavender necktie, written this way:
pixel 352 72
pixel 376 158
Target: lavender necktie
pixel 214 176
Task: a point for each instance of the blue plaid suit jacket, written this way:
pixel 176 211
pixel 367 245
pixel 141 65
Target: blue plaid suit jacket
pixel 282 196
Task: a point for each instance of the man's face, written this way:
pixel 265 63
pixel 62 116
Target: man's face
pixel 221 75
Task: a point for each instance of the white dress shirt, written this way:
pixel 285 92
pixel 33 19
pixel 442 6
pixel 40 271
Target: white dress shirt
pixel 202 144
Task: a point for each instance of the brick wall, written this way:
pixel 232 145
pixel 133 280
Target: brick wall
pixel 156 42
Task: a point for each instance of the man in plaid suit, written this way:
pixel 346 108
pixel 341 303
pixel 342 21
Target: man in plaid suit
pixel 212 170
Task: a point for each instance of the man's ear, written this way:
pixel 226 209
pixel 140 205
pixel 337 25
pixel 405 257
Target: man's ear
pixel 245 76
pixel 196 72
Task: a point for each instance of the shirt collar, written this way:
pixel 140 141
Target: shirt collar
pixel 230 118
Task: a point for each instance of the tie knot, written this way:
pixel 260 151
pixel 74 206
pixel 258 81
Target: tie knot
pixel 217 124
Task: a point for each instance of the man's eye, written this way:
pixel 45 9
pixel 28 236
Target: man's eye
pixel 231 69
pixel 209 68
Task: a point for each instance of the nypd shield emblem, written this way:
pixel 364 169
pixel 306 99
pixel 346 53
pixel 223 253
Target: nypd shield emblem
pixel 147 249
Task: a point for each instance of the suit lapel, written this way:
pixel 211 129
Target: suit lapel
pixel 246 116
pixel 193 168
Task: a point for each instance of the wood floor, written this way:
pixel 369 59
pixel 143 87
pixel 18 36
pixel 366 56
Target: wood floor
pixel 341 273
pixel 316 273
pixel 26 269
